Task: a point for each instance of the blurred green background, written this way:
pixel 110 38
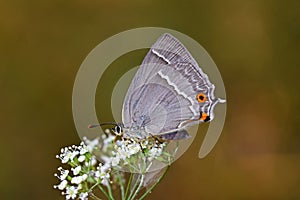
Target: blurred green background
pixel 254 43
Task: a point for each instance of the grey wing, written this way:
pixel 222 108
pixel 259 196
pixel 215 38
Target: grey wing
pixel 162 95
pixel 163 103
pixel 154 107
pixel 169 50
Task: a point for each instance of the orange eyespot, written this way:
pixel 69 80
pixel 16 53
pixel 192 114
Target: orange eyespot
pixel 201 97
pixel 204 117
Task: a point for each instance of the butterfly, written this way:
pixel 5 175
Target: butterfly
pixel 168 93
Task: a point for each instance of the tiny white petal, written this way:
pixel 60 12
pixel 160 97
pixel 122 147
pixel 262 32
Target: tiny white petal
pixel 84 177
pixel 81 158
pixel 115 161
pixel 93 161
pixel 83 150
pixel 104 182
pixel 83 196
pixel 78 179
pixel 71 192
pixel 76 170
pixel 64 174
pixel 62 185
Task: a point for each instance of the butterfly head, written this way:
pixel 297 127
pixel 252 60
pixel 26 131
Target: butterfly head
pixel 117 130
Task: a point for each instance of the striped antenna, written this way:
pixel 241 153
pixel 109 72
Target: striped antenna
pixel 105 123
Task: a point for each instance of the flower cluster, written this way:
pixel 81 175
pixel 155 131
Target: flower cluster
pixel 82 169
pixel 83 172
pixel 136 155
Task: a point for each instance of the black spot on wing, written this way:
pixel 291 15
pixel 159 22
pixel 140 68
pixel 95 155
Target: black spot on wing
pixel 207 119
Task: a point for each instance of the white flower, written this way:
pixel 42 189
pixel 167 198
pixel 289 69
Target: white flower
pixel 115 161
pixel 81 158
pixel 106 166
pixel 107 141
pixel 119 143
pixel 125 149
pixel 76 170
pixel 91 162
pixel 155 151
pixel 152 153
pixel 158 152
pixel 101 175
pixel 71 192
pixel 107 131
pixel 105 182
pixel 62 185
pixel 144 144
pixel 162 145
pixel 91 144
pixel 84 149
pixel 102 172
pixel 83 196
pixel 68 155
pixel 134 148
pixel 84 176
pixel 124 152
pixel 63 173
pixel 78 179
pixel 106 160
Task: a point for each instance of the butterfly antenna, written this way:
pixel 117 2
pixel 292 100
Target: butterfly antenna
pixel 105 123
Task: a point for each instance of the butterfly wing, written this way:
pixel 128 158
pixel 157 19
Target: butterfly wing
pixel 163 95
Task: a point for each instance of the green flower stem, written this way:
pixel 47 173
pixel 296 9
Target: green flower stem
pixel 139 187
pixel 103 191
pixel 95 185
pixel 121 185
pixel 128 185
pixel 94 196
pixel 155 184
pixel 134 186
pixel 110 191
pixel 133 167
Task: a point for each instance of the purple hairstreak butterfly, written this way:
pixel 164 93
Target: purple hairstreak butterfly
pixel 168 93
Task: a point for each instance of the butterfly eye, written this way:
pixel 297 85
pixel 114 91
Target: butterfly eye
pixel 117 130
pixel 204 117
pixel 201 97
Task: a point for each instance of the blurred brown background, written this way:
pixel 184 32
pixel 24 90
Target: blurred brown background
pixel 254 43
